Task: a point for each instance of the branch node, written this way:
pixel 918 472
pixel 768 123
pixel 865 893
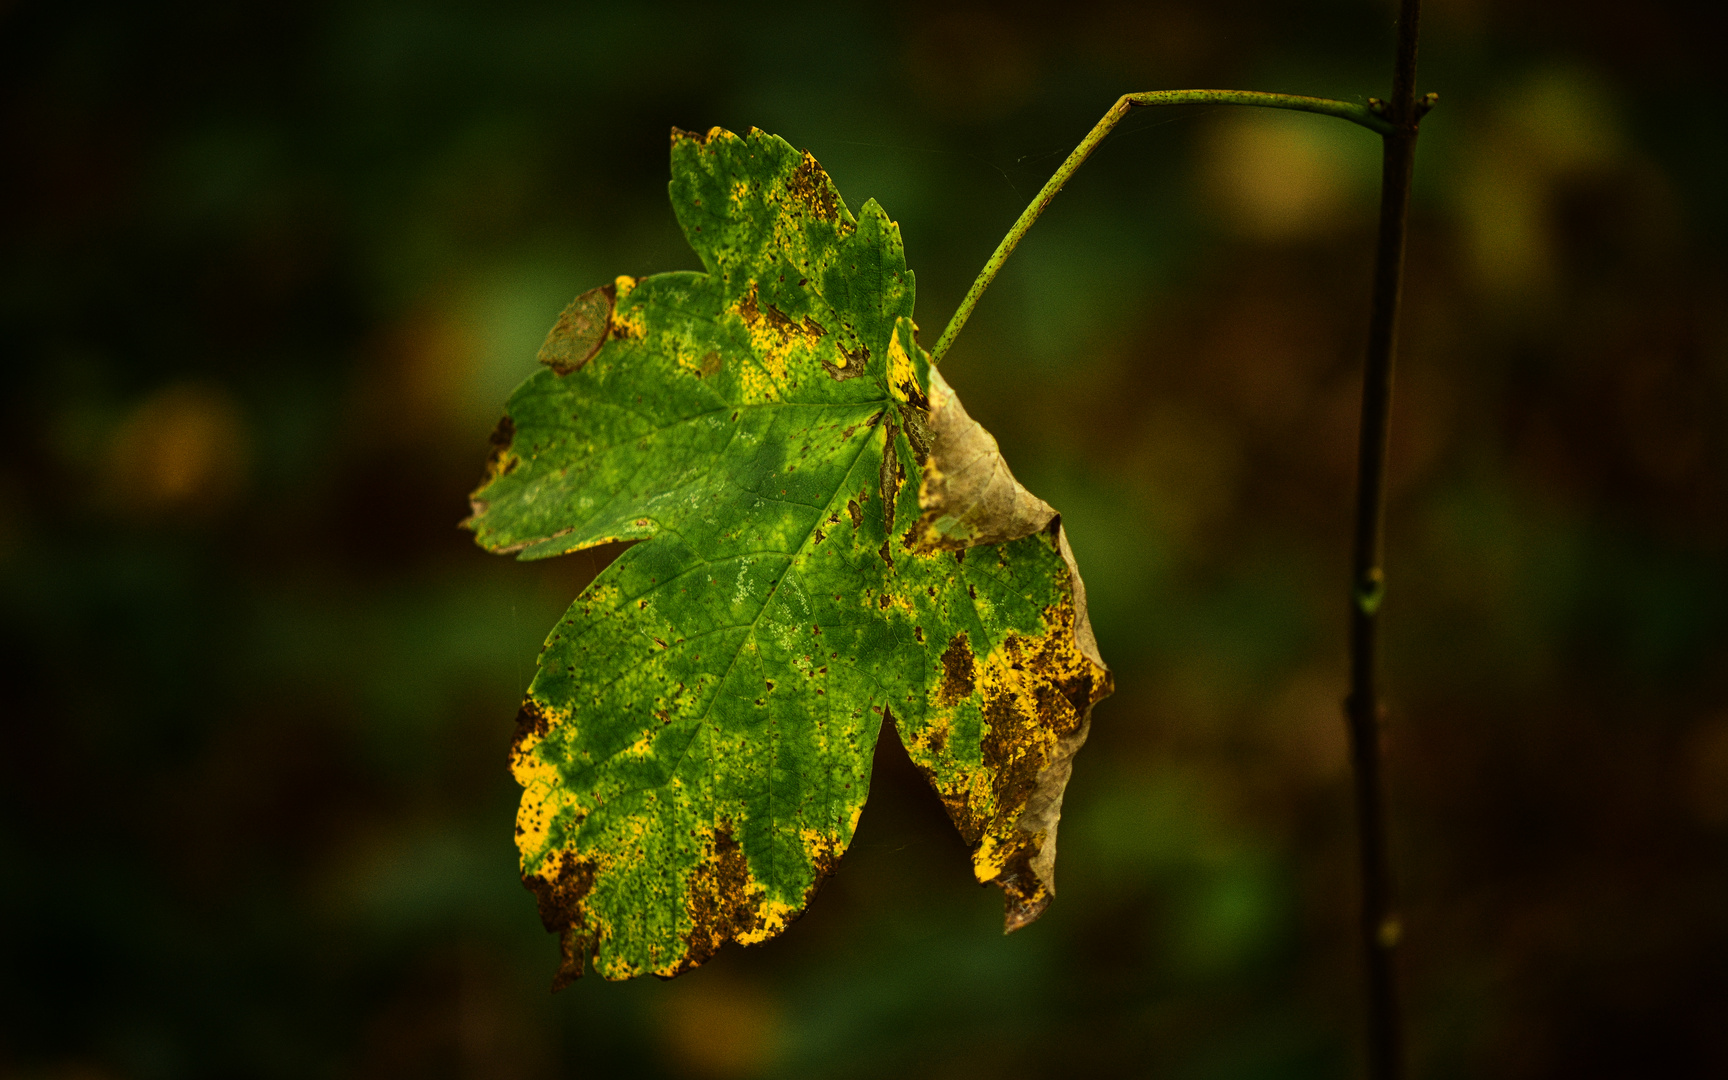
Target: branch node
pixel 1370 590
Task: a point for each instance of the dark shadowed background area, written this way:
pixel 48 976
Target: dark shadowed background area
pixel 270 271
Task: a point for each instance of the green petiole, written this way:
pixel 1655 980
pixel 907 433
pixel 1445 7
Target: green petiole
pixel 1364 115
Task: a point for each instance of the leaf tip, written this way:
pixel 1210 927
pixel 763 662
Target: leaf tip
pixel 1021 915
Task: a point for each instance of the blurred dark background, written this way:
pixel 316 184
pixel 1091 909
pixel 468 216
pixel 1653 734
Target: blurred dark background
pixel 270 272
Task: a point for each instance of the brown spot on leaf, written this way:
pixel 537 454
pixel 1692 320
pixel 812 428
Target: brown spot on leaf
pixel 1011 730
pixel 500 461
pixel 700 138
pixel 1025 893
pixel 959 674
pixel 581 330
pixel 857 514
pixel 710 364
pixel 1036 695
pixel 1057 688
pixel 850 364
pixel 559 889
pixel 811 186
pixel 721 899
pixel 824 860
pixel 914 395
pixel 1077 688
pixel 889 478
pixel 809 333
pixel 531 722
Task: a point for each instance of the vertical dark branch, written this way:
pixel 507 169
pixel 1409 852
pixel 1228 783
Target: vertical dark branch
pixel 1380 927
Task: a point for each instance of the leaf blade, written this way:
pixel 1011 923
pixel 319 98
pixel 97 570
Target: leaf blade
pixel 695 747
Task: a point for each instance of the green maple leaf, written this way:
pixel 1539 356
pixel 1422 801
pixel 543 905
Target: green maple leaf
pixel 828 543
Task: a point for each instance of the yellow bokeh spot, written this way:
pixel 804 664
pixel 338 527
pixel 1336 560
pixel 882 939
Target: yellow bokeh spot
pixel 720 1029
pixel 182 448
pixel 1281 176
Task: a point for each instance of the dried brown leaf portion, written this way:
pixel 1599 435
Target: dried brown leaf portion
pixel 1033 693
pixel 968 496
pixel 581 329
